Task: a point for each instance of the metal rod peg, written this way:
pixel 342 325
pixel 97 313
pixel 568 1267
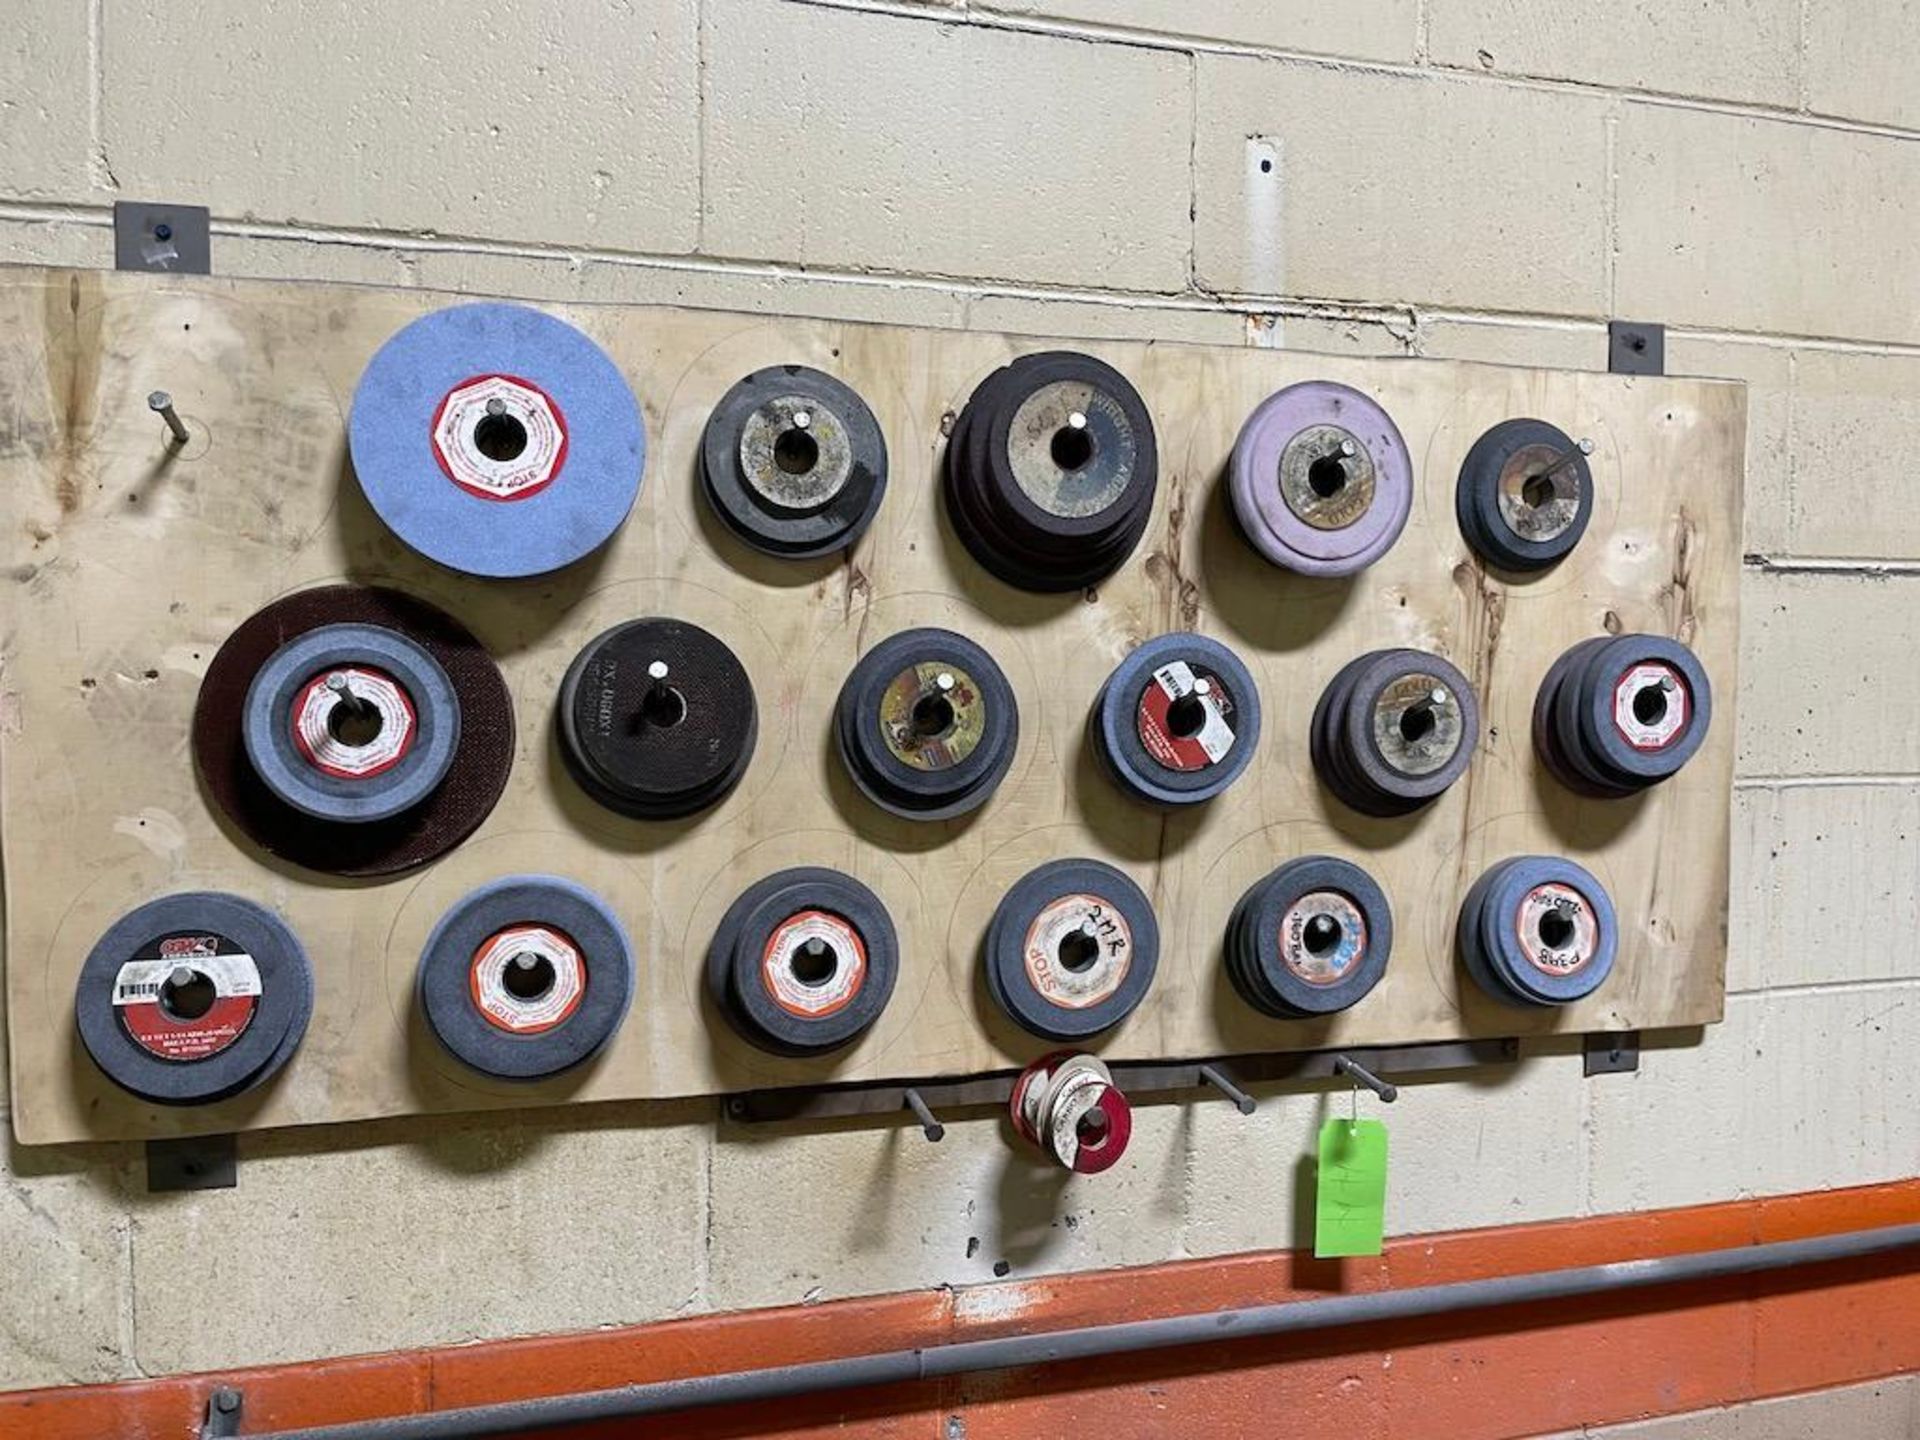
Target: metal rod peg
pixel 1578 450
pixel 1242 1101
pixel 931 1127
pixel 350 702
pixel 161 403
pixel 1344 1066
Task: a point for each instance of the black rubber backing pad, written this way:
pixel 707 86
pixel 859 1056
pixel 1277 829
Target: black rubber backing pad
pixel 386 847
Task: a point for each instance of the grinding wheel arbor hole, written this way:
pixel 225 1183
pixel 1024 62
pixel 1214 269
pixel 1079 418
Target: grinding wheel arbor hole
pixel 528 977
pixel 187 994
pixel 1072 447
pixel 1327 476
pixel 796 452
pixel 1650 704
pixel 814 963
pixel 1556 930
pixel 1320 934
pixel 355 724
pixel 1186 716
pixel 500 437
pixel 1078 951
pixel 932 716
pixel 1538 491
pixel 1091 1129
pixel 1416 723
pixel 663 706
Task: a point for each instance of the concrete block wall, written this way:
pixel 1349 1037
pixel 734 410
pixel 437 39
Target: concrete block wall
pixel 1486 179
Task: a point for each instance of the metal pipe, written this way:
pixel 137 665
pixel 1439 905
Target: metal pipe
pixel 1129 1337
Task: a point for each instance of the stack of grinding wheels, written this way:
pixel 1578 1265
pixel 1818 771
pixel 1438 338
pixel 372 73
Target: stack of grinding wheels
pixel 1617 714
pixel 1525 495
pixel 1393 730
pixel 1051 471
pixel 1072 949
pixel 793 463
pixel 1538 930
pixel 803 962
pixel 1067 1105
pixel 194 998
pixel 657 719
pixel 1310 939
pixel 926 725
pixel 1178 721
pixel 1321 480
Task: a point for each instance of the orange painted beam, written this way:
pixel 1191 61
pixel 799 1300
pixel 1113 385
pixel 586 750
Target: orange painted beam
pixel 1488 1375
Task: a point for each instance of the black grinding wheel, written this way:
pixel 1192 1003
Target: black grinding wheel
pixel 1393 730
pixel 1617 714
pixel 803 962
pixel 425 831
pixel 1525 495
pixel 927 724
pixel 793 462
pixel 657 719
pixel 1051 470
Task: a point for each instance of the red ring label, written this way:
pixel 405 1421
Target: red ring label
pixel 1108 943
pixel 1206 733
pixel 499 958
pixel 1583 939
pixel 313 716
pixel 149 1008
pixel 519 406
pixel 820 936
pixel 1670 720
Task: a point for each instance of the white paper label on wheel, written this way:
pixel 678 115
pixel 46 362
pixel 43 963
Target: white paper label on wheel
pixel 1650 705
pixel 326 739
pixel 1557 930
pixel 151 1013
pixel 813 964
pixel 1078 951
pixel 500 437
pixel 1323 936
pixel 527 979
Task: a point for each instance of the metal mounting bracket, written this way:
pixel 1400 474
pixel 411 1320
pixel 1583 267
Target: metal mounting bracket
pixel 169 238
pixel 223 1414
pixel 192 1162
pixel 1636 348
pixel 1612 1052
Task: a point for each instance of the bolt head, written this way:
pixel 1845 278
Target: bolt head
pixel 159 400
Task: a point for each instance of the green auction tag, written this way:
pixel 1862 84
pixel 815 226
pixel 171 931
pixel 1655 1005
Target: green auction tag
pixel 1350 1202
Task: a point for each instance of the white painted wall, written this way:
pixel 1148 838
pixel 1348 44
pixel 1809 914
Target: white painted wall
pixel 1474 178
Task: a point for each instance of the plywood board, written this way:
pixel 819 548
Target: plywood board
pixel 123 568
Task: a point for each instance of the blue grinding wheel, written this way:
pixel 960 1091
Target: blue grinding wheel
pixel 238 1018
pixel 1538 930
pixel 497 440
pixel 1311 938
pixel 1164 739
pixel 525 977
pixel 297 726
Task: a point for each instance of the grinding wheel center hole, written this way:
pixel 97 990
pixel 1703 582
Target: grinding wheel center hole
pixel 814 963
pixel 1321 934
pixel 932 716
pixel 1556 930
pixel 1327 476
pixel 188 998
pixel 500 437
pixel 1091 1129
pixel 663 706
pixel 1072 447
pixel 1416 723
pixel 796 452
pixel 355 724
pixel 1539 491
pixel 1650 704
pixel 1186 716
pixel 528 977
pixel 1078 951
